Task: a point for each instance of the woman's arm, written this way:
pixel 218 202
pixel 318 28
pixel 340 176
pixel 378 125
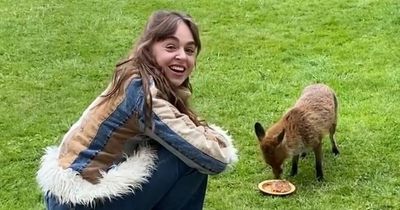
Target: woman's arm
pixel 206 149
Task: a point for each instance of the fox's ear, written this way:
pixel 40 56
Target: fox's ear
pixel 260 132
pixel 280 136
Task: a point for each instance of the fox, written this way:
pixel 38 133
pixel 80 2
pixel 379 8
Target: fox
pixel 300 130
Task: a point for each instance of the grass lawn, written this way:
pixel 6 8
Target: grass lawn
pixel 57 56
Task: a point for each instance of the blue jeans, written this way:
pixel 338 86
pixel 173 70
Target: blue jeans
pixel 173 185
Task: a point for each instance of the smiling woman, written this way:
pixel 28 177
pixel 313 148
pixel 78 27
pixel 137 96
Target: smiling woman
pixel 139 145
pixel 176 55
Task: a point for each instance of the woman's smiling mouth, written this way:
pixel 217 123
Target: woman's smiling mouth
pixel 177 69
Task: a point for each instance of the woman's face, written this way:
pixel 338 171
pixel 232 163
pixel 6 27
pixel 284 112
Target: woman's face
pixel 176 55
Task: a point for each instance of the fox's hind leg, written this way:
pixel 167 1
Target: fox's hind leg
pixel 332 131
pixel 318 162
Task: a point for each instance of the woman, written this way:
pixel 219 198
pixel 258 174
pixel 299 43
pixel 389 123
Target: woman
pixel 139 145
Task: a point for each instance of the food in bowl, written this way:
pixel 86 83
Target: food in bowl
pixel 277 187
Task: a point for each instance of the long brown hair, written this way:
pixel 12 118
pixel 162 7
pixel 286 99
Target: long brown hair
pixel 161 25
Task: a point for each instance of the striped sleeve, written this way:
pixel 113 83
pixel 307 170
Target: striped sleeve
pixel 206 149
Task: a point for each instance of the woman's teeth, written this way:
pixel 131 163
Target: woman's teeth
pixel 177 68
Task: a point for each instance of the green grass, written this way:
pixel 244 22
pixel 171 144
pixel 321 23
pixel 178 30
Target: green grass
pixel 56 56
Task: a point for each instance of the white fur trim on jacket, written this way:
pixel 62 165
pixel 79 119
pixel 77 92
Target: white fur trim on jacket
pixel 69 187
pixel 231 150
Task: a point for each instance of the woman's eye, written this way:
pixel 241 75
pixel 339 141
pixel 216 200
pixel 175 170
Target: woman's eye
pixel 190 51
pixel 170 47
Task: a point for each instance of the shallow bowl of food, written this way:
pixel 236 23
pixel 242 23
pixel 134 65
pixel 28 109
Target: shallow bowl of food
pixel 276 187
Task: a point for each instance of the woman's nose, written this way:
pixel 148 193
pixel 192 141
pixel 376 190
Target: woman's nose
pixel 180 54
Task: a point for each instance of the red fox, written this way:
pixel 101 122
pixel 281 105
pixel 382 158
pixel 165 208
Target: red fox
pixel 301 129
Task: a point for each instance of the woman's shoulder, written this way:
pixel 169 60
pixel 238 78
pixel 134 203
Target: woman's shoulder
pixel 134 83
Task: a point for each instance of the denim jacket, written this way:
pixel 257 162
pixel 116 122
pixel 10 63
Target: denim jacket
pixel 108 152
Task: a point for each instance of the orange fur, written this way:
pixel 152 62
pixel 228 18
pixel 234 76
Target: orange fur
pixel 301 129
